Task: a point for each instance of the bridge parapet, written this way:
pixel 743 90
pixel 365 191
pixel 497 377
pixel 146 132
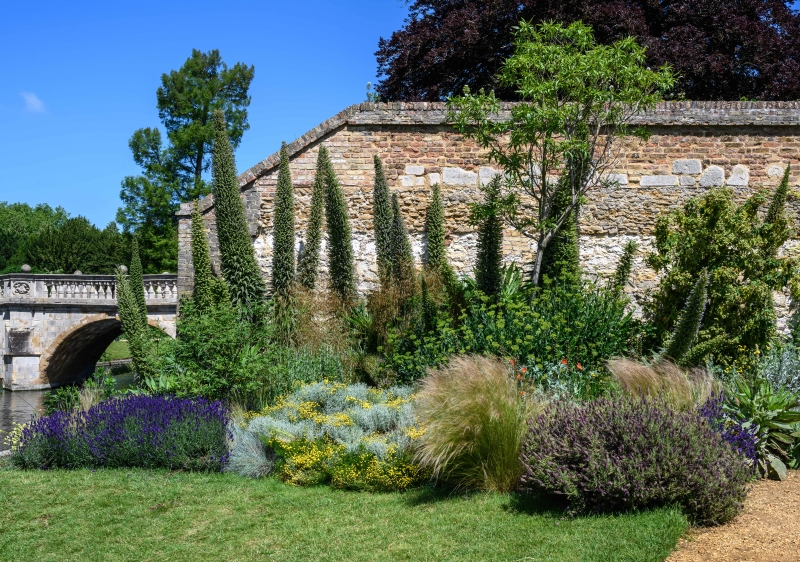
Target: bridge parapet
pixel 81 289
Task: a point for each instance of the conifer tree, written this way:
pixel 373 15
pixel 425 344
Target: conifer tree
pixel 134 328
pixel 776 206
pixel 689 321
pixel 340 247
pixel 137 281
pixel 201 262
pixel 382 221
pixel 561 258
pixel 239 267
pixel 402 258
pixel 624 267
pixel 436 258
pixel 283 228
pixel 486 216
pixel 308 269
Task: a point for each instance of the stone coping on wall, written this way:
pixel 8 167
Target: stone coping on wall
pixel 686 113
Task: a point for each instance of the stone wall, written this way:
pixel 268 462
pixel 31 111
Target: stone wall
pixel 693 146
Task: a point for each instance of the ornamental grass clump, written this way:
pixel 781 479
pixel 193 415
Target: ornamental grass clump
pixel 623 453
pixel 474 417
pixel 681 388
pixel 347 436
pixel 134 431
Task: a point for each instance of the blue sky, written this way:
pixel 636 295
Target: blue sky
pixel 79 78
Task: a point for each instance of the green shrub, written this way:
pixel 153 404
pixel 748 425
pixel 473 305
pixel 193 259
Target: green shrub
pixel 771 414
pixel 581 325
pixel 739 251
pixel 621 454
pixel 349 437
pixel 475 418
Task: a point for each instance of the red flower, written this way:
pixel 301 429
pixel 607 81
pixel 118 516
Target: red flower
pixel 524 370
pixel 563 361
pixel 579 366
pixel 512 362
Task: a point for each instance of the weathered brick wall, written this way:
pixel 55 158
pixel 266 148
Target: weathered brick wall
pixel 692 147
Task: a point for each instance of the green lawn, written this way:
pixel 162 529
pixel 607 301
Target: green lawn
pixel 153 515
pixel 117 350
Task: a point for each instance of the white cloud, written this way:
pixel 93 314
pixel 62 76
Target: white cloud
pixel 32 102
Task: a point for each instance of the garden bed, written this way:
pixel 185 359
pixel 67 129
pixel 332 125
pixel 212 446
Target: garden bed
pixel 156 515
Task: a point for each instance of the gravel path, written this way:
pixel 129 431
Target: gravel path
pixel 768 530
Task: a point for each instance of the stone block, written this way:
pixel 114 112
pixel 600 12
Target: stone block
pixel 619 179
pixel 740 176
pixel 434 179
pixel 658 181
pixel 407 181
pixel 419 181
pixel 691 167
pixel 713 176
pixel 415 170
pixel 457 176
pixel 688 181
pixel 775 171
pixel 486 174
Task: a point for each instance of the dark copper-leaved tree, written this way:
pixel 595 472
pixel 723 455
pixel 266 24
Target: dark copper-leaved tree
pixel 720 49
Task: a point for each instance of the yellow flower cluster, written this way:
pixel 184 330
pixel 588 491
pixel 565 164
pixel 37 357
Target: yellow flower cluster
pixel 13 437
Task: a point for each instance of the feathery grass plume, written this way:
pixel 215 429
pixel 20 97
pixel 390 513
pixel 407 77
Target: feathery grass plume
pixel 402 258
pixel 136 280
pixel 134 328
pixel 382 222
pixel 239 267
pixel 680 388
pixel 475 420
pixel 340 248
pixel 776 206
pixel 624 267
pixel 486 216
pixel 689 321
pixel 283 228
pixel 201 262
pixel 308 269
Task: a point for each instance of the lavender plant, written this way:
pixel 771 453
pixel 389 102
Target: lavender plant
pixel 739 435
pixel 134 431
pixel 621 453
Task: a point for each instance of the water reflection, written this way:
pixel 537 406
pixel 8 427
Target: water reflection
pixel 17 407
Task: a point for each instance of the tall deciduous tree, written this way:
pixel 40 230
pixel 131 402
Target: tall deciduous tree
pixel 239 267
pixel 18 223
pixel 283 228
pixel 720 49
pixel 578 97
pixel 172 173
pixel 340 248
pixel 382 221
pixel 308 270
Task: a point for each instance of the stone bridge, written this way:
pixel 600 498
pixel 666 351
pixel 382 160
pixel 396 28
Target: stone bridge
pixel 56 327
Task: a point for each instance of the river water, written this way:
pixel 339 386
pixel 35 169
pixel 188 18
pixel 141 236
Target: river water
pixel 18 407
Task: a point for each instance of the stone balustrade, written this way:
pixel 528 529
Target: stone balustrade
pixel 88 289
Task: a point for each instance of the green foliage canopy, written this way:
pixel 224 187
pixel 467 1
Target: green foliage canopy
pixel 18 223
pixel 577 97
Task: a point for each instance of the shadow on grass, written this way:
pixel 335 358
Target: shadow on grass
pixel 528 504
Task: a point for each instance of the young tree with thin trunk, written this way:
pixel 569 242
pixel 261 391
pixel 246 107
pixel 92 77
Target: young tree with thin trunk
pixel 239 266
pixel 283 228
pixel 577 99
pixel 308 270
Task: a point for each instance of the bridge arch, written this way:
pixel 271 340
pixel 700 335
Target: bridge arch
pixel 74 353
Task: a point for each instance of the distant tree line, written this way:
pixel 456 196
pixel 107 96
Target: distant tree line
pixel 51 241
